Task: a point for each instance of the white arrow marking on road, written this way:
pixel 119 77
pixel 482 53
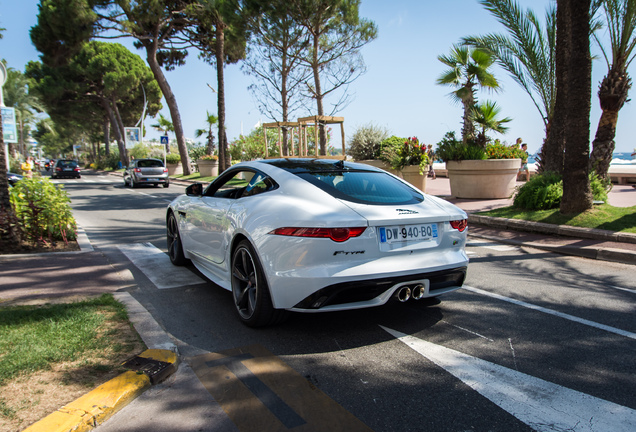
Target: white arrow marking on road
pixel 157 267
pixel 540 404
pixel 553 312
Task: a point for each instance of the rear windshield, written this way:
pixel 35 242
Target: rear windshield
pixel 366 187
pixel 67 164
pixel 149 164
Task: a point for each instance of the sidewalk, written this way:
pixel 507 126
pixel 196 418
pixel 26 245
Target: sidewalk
pixel 584 242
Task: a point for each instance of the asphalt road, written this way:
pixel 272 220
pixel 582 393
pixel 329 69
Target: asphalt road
pixel 536 341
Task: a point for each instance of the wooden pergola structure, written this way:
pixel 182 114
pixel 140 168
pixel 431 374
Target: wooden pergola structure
pixel 303 124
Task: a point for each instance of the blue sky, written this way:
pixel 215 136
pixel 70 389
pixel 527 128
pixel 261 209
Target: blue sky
pixel 398 91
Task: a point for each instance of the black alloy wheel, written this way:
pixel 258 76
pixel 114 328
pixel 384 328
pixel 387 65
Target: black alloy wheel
pixel 252 300
pixel 175 248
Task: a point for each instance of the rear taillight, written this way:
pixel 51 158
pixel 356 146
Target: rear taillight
pixel 77 169
pixel 137 170
pixel 58 169
pixel 459 225
pixel 165 170
pixel 335 234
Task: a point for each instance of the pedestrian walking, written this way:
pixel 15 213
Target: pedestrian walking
pixel 431 159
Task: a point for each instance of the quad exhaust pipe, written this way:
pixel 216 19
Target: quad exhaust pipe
pixel 416 292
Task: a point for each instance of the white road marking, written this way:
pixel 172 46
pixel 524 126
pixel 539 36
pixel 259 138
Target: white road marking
pixel 553 312
pixel 492 246
pixel 623 289
pixel 542 405
pixel 157 267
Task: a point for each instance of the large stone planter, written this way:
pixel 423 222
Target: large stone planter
pixel 174 169
pixel 483 179
pixel 412 175
pixel 380 164
pixel 208 168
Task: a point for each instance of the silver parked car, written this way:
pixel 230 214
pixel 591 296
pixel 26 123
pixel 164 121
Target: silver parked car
pixel 146 171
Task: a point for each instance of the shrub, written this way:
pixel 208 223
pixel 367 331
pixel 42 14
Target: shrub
pixel 541 192
pixel 139 151
pixel 497 150
pixel 173 158
pixel 366 142
pixel 409 153
pixel 43 210
pixel 196 152
pixel 544 191
pixel 390 148
pixel 209 158
pixel 452 149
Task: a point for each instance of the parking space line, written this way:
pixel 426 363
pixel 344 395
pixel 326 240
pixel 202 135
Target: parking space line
pixel 156 265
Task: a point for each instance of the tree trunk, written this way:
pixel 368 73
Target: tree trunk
pixel 612 95
pixel 577 196
pixel 552 152
pixel 106 137
pixel 318 94
pixel 224 162
pixel 171 101
pixel 468 128
pixel 118 136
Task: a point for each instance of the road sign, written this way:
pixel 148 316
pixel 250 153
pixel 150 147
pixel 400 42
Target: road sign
pixel 9 129
pixel 132 136
pixel 165 140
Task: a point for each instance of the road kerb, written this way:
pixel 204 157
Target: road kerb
pixel 95 407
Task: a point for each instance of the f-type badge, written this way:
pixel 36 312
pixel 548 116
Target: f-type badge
pixel 348 253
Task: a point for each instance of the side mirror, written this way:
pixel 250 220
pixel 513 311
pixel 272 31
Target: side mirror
pixel 194 190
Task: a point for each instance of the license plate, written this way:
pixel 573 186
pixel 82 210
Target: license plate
pixel 68 169
pixel 151 179
pixel 403 233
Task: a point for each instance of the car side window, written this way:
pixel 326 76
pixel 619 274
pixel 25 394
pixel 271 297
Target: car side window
pixel 241 183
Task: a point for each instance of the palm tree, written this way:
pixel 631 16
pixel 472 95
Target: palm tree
pixel 613 91
pixel 527 53
pixel 164 126
pixel 486 117
pixel 25 103
pixel 211 120
pixel 468 70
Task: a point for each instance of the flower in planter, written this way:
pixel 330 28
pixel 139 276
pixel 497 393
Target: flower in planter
pixel 209 158
pixel 410 153
pixel 173 158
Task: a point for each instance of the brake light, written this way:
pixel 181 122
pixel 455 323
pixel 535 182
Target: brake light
pixel 459 225
pixel 77 169
pixel 165 170
pixel 335 234
pixel 137 170
pixel 58 169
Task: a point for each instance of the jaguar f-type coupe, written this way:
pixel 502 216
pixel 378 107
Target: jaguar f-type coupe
pixel 314 235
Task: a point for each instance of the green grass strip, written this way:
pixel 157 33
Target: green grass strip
pixel 604 216
pixel 33 337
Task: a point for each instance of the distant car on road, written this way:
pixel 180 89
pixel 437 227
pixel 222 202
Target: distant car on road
pixel 146 171
pixel 13 178
pixel 66 168
pixel 314 235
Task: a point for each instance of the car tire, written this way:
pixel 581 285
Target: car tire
pixel 132 183
pixel 252 300
pixel 175 247
pixel 166 185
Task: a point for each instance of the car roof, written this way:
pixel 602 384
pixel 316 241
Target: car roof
pixel 298 165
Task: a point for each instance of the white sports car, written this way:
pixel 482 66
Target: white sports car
pixel 313 235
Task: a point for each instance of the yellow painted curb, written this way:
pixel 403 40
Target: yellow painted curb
pixel 98 405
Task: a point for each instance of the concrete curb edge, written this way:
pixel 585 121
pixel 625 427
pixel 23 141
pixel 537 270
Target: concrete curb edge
pixel 101 403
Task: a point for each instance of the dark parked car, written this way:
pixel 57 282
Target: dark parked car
pixel 13 178
pixel 66 168
pixel 146 171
